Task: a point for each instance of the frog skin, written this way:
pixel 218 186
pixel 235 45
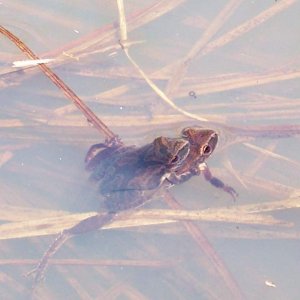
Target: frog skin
pixel 132 175
pixel 202 144
pixel 128 177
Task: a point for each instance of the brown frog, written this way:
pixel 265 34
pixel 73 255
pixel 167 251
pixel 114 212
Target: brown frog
pixel 128 177
pixel 202 144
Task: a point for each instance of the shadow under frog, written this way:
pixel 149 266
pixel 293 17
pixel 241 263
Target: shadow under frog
pixel 129 176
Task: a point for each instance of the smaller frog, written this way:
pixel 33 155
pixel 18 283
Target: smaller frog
pixel 202 143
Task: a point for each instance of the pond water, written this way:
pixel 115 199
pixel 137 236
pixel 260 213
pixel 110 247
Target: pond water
pixel 233 63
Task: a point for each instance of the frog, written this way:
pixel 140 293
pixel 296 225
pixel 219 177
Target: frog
pixel 130 175
pixel 203 142
pixel 127 177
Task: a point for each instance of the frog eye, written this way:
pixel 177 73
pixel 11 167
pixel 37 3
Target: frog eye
pixel 206 149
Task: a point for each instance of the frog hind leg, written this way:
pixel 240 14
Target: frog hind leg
pixel 89 224
pixel 98 153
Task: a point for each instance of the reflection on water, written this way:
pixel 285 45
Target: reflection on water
pixel 232 63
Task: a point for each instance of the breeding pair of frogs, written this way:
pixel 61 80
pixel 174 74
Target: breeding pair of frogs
pixel 128 176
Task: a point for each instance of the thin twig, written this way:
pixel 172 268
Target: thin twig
pixel 154 87
pixel 91 117
pixel 217 23
pixel 208 250
pixel 91 262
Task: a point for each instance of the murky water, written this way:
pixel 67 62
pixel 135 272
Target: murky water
pixel 234 63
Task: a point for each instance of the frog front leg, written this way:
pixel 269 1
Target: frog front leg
pixel 216 182
pixel 175 179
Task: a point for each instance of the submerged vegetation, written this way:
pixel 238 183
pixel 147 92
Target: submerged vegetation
pixel 234 73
